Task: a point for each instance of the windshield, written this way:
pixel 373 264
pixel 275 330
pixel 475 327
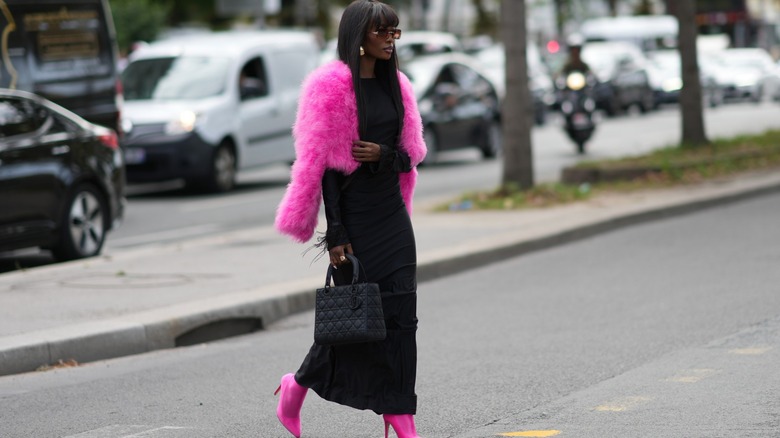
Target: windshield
pixel 669 62
pixel 745 61
pixel 599 58
pixel 175 78
pixel 421 74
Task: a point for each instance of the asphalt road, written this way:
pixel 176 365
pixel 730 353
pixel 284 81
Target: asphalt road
pixel 166 212
pixel 173 214
pixel 665 329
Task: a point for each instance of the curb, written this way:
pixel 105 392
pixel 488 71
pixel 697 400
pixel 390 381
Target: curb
pixel 478 259
pixel 211 319
pixel 579 175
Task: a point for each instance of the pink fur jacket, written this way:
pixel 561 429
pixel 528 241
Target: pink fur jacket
pixel 325 126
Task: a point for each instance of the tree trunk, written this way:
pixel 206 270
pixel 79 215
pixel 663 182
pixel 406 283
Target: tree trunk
pixel 561 15
pixel 693 133
pixel 418 15
pixel 485 23
pixel 612 7
pixel 517 110
pixel 445 16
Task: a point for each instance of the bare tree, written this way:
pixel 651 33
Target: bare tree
pixel 693 133
pixel 562 14
pixel 486 22
pixel 517 111
pixel 612 4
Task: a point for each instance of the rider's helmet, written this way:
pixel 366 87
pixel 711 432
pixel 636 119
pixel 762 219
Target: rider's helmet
pixel 575 40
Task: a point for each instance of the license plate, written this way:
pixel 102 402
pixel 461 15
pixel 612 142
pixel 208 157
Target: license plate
pixel 579 120
pixel 135 156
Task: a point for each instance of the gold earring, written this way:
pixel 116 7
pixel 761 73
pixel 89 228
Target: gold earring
pixel 362 52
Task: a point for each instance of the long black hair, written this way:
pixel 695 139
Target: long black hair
pixel 360 17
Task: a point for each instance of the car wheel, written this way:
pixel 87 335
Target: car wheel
pixel 432 144
pixel 84 224
pixel 715 98
pixel 222 176
pixel 540 115
pixel 648 102
pixel 492 139
pixel 758 97
pixel 612 107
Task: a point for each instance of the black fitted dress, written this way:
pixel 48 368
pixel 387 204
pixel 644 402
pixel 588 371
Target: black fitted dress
pixel 368 211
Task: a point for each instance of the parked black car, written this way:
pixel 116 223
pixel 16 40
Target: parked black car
pixel 458 105
pixel 62 178
pixel 621 69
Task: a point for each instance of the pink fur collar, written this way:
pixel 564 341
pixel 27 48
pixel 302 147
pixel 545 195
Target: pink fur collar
pixel 325 126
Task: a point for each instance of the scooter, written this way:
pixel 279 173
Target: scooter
pixel 577 107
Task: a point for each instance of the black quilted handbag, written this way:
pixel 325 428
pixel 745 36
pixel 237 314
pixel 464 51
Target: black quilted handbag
pixel 350 313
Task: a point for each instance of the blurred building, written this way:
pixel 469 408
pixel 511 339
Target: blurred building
pixel 748 23
pixel 457 16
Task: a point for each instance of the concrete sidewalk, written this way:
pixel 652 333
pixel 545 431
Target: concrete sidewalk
pixel 160 296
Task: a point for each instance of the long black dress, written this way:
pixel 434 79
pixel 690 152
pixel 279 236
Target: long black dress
pixel 368 211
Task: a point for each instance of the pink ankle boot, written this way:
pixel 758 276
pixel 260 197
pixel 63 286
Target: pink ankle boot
pixel 403 425
pixel 290 401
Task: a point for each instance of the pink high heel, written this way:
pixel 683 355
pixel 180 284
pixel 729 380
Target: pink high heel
pixel 403 425
pixel 290 401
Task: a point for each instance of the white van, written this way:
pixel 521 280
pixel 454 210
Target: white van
pixel 648 32
pixel 203 107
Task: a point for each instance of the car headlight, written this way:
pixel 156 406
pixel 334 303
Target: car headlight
pixel 746 81
pixel 576 81
pixel 183 124
pixel 672 84
pixel 126 125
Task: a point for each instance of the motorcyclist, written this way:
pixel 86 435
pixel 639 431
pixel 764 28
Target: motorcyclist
pixel 575 61
pixel 575 83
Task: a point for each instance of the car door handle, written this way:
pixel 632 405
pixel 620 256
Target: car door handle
pixel 60 150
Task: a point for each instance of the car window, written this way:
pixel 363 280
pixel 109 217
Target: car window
pixel 421 75
pixel 175 78
pixel 23 119
pixel 19 117
pixel 446 76
pixel 252 80
pixel 468 79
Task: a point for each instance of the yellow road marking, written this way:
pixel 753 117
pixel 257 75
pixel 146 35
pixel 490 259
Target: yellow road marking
pixel 750 351
pixel 622 404
pixel 533 433
pixel 693 375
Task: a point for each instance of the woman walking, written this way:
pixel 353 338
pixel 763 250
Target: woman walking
pixel 358 140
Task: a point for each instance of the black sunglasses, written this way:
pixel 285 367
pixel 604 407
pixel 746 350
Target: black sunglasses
pixel 383 32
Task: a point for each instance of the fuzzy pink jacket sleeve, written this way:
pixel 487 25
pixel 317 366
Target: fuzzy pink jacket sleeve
pixel 411 140
pixel 325 126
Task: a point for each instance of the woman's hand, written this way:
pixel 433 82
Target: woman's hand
pixel 365 151
pixel 337 254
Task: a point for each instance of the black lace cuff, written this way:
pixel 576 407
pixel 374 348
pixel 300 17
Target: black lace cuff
pixel 336 235
pixel 386 157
